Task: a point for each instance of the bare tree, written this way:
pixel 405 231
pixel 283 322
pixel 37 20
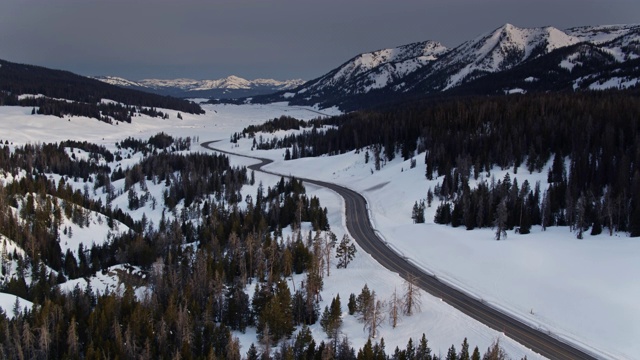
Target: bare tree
pixel 395 307
pixel 377 317
pixel 72 338
pixel 411 302
pixel 44 340
pixel 330 241
pixel 233 348
pixel 495 352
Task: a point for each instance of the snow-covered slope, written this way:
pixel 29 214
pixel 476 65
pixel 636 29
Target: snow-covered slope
pixel 501 49
pixel 374 70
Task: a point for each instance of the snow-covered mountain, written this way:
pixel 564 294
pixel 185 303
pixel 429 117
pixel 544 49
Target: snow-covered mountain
pixel 498 50
pixel 429 68
pixel 370 71
pixel 228 87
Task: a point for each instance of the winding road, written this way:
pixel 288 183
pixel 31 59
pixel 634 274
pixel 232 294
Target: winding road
pixel 359 226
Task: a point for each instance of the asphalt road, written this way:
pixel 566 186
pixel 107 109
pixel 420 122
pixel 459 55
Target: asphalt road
pixel 359 226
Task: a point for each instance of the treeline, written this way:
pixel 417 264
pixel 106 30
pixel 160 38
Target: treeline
pixel 106 112
pixel 598 133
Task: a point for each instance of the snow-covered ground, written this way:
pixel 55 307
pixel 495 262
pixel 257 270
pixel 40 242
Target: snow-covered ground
pixel 582 290
pixel 8 302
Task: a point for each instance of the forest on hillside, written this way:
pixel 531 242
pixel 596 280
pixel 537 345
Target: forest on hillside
pixel 67 94
pixel 591 140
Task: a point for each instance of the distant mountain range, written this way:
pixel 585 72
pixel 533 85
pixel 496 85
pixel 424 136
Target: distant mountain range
pixel 229 87
pixel 506 60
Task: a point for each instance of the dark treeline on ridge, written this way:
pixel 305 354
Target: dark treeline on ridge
pixel 70 94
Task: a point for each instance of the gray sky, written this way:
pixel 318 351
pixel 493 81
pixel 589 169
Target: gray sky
pixel 279 39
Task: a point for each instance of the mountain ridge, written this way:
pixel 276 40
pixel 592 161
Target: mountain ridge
pixel 357 83
pixel 184 87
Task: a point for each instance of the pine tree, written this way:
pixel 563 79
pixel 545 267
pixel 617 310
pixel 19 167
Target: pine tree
pixel 476 354
pixel 331 319
pixel 252 353
pixel 451 354
pixel 464 352
pixel 345 252
pixel 500 222
pixel 423 352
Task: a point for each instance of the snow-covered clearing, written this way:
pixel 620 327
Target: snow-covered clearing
pixel 581 290
pixel 8 302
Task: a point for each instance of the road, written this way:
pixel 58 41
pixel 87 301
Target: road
pixel 359 226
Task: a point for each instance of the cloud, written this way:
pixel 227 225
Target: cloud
pixel 282 38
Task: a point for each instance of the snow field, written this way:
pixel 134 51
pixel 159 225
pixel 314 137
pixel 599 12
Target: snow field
pixel 582 290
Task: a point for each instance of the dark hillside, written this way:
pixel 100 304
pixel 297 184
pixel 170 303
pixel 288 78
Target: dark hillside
pixel 18 79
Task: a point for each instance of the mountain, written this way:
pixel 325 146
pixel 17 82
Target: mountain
pixel 507 59
pixel 229 87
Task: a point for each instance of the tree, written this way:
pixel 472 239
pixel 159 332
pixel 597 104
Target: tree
pixel 376 318
pixel 411 301
pixel 451 354
pixel 328 245
pixel 464 352
pixel 252 353
pixel 395 306
pixel 580 213
pixel 418 212
pixel 331 319
pixel 500 222
pixel 346 252
pixel 423 352
pixel 495 352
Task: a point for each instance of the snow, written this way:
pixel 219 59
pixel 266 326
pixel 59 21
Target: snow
pixel 516 91
pixel 230 82
pixel 614 83
pixel 107 281
pixel 601 34
pixel 531 79
pixel 487 53
pixel 8 301
pixel 572 288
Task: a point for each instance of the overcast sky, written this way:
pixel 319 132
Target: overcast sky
pixel 281 39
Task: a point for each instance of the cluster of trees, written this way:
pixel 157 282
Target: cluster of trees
pixel 52 158
pixel 597 133
pixel 160 141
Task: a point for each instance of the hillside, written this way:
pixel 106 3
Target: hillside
pixel 61 93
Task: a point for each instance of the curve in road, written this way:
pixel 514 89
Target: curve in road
pixel 359 226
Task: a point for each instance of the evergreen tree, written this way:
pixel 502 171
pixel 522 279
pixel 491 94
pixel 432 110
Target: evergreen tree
pixel 500 222
pixel 464 351
pixel 345 252
pixel 423 352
